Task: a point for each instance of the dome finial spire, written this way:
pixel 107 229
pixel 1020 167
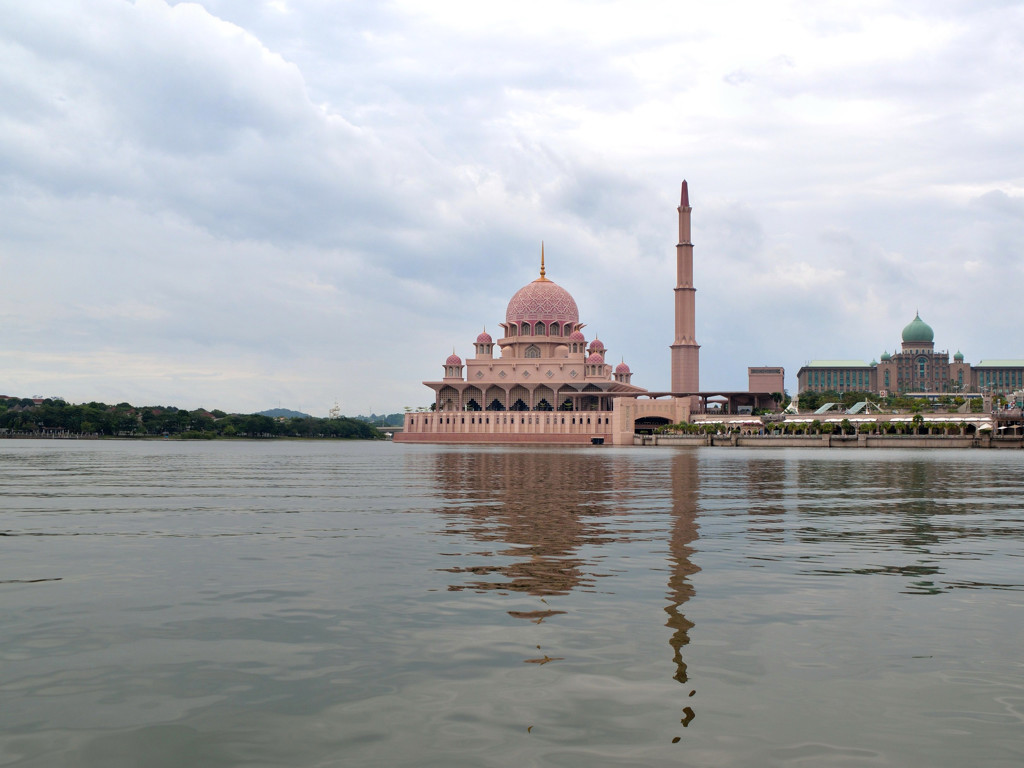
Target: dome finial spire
pixel 542 272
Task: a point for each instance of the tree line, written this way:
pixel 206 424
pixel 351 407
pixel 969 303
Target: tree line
pixel 810 401
pixel 124 420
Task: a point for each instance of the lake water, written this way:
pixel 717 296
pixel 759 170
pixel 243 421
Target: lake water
pixel 370 604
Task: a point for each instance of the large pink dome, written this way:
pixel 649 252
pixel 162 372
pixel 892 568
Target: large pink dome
pixel 542 301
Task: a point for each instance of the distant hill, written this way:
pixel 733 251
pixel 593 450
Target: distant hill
pixel 389 420
pixel 284 413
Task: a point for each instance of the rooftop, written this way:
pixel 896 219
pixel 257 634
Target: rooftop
pixel 1000 364
pixel 837 364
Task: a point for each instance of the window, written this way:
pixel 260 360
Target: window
pixel 532 351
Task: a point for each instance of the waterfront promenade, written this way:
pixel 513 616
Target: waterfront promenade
pixel 737 440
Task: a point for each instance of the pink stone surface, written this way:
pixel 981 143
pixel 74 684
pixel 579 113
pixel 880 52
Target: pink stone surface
pixel 508 392
pixel 542 300
pixel 537 438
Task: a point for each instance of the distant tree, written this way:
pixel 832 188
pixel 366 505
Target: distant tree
pixel 809 400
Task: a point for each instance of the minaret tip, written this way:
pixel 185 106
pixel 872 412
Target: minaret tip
pixel 684 198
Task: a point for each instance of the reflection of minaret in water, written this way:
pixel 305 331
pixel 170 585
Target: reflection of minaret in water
pixel 684 533
pixel 685 349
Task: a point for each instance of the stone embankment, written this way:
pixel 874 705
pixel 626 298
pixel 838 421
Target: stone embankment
pixel 833 441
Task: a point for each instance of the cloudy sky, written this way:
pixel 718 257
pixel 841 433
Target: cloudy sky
pixel 240 204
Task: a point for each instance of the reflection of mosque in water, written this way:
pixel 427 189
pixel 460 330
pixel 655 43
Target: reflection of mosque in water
pixel 538 512
pixel 537 508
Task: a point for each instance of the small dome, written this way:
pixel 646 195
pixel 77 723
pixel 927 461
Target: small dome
pixel 886 357
pixel 874 363
pixel 453 359
pixel 595 359
pixel 596 344
pixel 959 356
pixel 484 338
pixel 622 368
pixel 918 331
pixel 577 336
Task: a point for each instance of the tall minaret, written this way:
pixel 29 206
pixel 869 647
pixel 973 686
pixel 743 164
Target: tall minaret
pixel 685 349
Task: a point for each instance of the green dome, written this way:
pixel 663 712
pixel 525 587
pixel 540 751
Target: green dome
pixel 918 331
pixel 959 356
pixel 886 357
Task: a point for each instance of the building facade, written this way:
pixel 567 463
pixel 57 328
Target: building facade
pixel 766 379
pixel 916 367
pixel 540 381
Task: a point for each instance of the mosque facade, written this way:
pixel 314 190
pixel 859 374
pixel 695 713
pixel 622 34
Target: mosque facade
pixel 915 367
pixel 543 381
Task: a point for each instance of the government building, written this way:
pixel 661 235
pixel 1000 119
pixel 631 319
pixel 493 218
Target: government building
pixel 917 367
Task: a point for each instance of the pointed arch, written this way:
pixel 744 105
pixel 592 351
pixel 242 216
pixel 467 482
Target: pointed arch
pixel 543 394
pixel 447 399
pixel 495 398
pixel 519 398
pixel 472 399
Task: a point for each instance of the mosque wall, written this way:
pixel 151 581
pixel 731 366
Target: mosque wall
pixel 565 427
pixel 628 410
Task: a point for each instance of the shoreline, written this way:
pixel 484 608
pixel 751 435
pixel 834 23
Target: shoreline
pixel 178 439
pixel 834 441
pixel 871 441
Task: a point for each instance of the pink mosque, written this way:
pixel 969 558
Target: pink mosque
pixel 548 384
